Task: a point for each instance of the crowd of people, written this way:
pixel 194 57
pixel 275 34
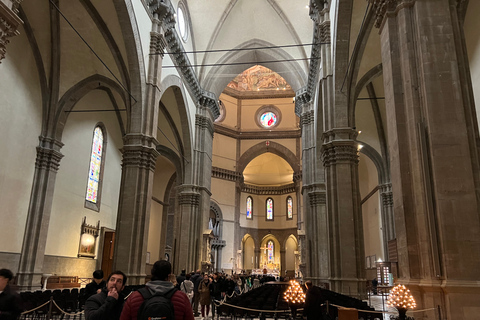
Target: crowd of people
pixel 184 297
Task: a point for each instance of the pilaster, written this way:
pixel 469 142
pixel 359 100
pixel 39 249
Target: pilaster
pixel 39 210
pixel 138 166
pixel 434 158
pixel 340 159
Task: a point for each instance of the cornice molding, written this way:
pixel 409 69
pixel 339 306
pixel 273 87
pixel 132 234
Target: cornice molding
pixel 251 189
pixel 204 123
pixel 226 174
pixel 165 13
pixel 257 135
pixel 9 23
pixel 139 156
pixel 249 95
pixel 388 8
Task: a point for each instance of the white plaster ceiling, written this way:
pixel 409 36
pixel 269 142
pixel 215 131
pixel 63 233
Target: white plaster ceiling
pixel 268 169
pixel 225 25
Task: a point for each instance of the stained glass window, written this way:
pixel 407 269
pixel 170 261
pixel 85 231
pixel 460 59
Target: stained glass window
pixel 270 251
pixel 269 209
pixel 268 119
pixel 249 208
pixel 289 208
pixel 95 166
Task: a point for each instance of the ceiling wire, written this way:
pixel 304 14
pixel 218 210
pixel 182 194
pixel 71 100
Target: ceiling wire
pixel 93 51
pixel 238 63
pixel 174 147
pixel 244 49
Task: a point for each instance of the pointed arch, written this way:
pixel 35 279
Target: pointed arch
pixel 184 136
pixel 274 148
pixel 291 71
pixel 78 91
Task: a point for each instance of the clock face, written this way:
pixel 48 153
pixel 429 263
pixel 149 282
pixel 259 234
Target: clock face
pixel 268 119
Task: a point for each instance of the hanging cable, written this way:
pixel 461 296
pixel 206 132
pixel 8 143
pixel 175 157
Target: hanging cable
pixel 237 63
pixel 181 153
pixel 245 49
pixel 91 49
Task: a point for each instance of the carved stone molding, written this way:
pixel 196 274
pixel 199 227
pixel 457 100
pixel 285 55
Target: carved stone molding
pixel 339 152
pixel 325 32
pixel 189 198
pixel 164 11
pixel 157 43
pixel 388 8
pixel 315 198
pixel 387 199
pixel 48 159
pixel 289 188
pixel 9 23
pixel 302 96
pixel 297 176
pixel 139 156
pixel 307 118
pixel 225 174
pixel 204 123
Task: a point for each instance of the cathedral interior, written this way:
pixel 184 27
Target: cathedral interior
pixel 321 139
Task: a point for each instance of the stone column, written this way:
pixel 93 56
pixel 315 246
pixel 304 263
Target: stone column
pixel 314 245
pixel 256 263
pixel 388 222
pixel 39 210
pixel 283 262
pixel 194 199
pixel 432 132
pixel 138 167
pixel 347 253
pixel 187 247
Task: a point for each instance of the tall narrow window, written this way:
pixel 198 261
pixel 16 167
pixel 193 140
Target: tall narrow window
pixel 92 198
pixel 269 207
pixel 249 208
pixel 270 251
pixel 289 208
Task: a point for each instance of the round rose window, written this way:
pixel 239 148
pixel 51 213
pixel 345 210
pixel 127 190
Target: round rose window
pixel 268 119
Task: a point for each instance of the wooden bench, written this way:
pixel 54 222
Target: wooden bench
pixel 61 282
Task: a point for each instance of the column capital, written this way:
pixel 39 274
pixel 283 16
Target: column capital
pixel 48 154
pixel 163 11
pixel 9 23
pixel 317 197
pixel 340 152
pixel 388 8
pixel 307 118
pixel 158 44
pixel 139 156
pixel 203 123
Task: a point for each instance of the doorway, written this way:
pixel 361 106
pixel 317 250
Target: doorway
pixel 107 252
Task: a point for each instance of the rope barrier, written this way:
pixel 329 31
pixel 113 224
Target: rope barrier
pixel 67 313
pixel 29 311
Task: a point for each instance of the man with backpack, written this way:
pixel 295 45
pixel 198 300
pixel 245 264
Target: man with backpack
pixel 108 303
pixel 159 299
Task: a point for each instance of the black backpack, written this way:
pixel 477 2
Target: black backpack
pixel 156 306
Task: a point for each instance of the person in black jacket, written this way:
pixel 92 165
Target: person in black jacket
pixel 96 285
pixel 217 291
pixel 10 304
pixel 108 304
pixel 312 309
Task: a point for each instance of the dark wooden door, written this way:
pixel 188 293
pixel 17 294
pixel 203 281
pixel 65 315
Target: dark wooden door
pixel 107 257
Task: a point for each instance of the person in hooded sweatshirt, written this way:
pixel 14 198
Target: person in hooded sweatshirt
pixel 160 272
